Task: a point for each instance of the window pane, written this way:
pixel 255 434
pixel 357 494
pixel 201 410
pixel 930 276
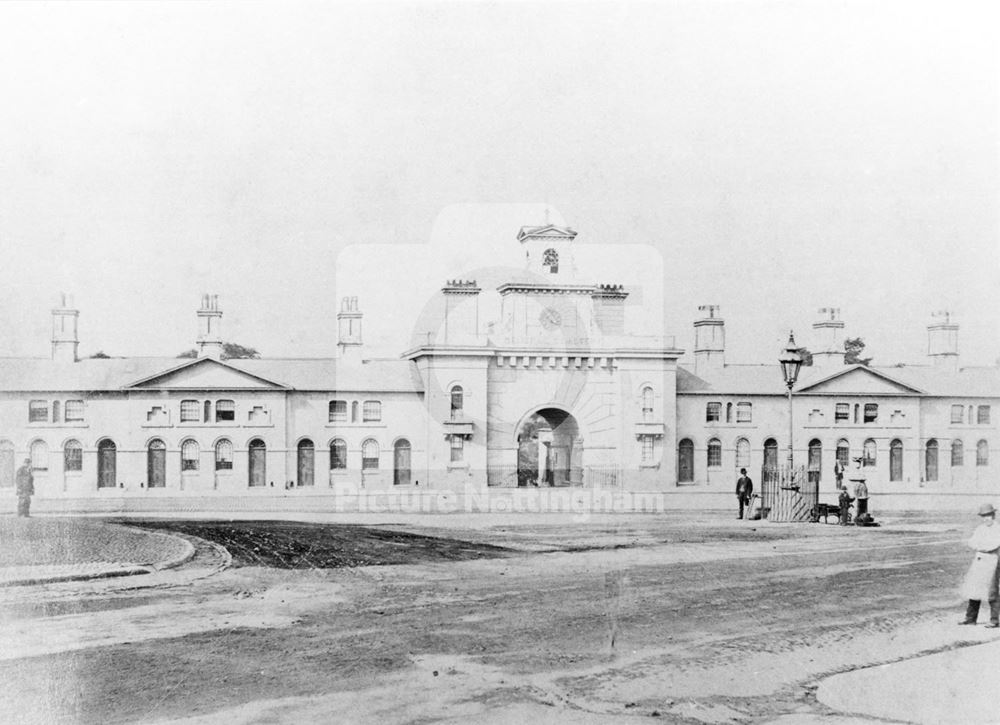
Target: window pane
pixel 225 410
pixel 369 455
pixel 372 411
pixel 956 413
pixel 338 453
pixel 338 411
pixel 713 412
pixel 957 453
pixel 190 453
pixel 457 448
pixel 647 449
pixel 982 454
pixel 983 415
pixel 871 412
pixel 223 455
pixel 457 402
pixel 744 412
pixel 843 412
pixel 39 456
pixel 38 411
pixel 190 410
pixel 869 453
pixel 843 453
pixel 742 453
pixel 714 453
pixel 73 410
pixel 73 456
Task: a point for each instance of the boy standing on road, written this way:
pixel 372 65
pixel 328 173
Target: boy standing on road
pixel 981 580
pixel 744 488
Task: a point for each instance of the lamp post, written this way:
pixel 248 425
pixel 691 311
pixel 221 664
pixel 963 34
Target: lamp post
pixel 791 363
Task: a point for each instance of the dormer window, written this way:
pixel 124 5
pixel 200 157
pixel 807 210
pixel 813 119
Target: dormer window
pixel 550 260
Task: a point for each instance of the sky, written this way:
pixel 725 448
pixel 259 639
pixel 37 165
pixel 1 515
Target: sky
pixel 768 157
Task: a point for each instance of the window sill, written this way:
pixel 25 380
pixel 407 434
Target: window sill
pixel 458 466
pixel 649 465
pixel 59 425
pixel 356 425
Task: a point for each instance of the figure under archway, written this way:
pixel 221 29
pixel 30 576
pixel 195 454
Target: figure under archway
pixel 547 450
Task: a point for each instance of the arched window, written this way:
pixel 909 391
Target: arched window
pixel 714 453
pixel 208 411
pixel 55 411
pixel 550 260
pixel 354 412
pixel 685 461
pixel 369 455
pixel 815 462
pixel 843 453
pixel 857 412
pixel 156 464
pixel 742 453
pixel 72 457
pixel 896 460
pixel 107 464
pixel 306 463
pixel 931 461
pixel 771 454
pixel 957 453
pixel 224 455
pixel 6 464
pixel 729 412
pixel 457 402
pixel 869 453
pixel 190 453
pixel 401 463
pixel 647 404
pixel 982 454
pixel 39 456
pixel 338 455
pixel 257 458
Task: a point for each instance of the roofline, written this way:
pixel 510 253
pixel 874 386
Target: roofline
pixel 198 361
pixel 851 368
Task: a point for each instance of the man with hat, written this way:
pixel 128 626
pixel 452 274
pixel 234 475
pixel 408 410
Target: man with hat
pixel 981 580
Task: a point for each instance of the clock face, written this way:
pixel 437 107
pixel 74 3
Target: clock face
pixel 550 318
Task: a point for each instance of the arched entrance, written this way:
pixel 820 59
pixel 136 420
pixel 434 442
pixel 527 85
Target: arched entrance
pixel 547 450
pixel 401 463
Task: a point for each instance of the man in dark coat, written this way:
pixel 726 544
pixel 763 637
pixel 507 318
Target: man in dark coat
pixel 25 488
pixel 744 489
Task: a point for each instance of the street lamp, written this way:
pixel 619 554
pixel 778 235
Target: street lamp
pixel 791 363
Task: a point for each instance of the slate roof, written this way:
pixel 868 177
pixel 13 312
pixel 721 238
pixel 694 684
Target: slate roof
pixel 41 374
pixel 767 380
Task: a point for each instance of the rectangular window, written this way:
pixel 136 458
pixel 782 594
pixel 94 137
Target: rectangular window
pixel 73 457
pixel 871 412
pixel 225 410
pixel 190 411
pixel 956 413
pixel 713 412
pixel 647 449
pixel 38 411
pixel 842 413
pixel 73 410
pixel 338 411
pixel 457 449
pixel 983 415
pixel 372 411
pixel 744 412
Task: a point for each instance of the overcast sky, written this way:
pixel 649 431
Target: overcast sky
pixel 775 157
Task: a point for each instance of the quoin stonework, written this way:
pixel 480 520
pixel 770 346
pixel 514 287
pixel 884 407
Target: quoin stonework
pixel 555 394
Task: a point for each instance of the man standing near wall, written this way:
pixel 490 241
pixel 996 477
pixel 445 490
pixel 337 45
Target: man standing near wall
pixel 744 488
pixel 981 580
pixel 25 488
pixel 861 494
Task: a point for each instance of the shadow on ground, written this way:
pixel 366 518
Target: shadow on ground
pixel 297 545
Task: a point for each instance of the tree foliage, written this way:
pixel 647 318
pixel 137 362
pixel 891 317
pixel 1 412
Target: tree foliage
pixel 230 351
pixel 854 347
pixel 99 355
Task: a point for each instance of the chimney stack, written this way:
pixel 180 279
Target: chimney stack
pixel 942 341
pixel 828 334
pixel 461 312
pixel 349 329
pixel 64 331
pixel 210 328
pixel 709 341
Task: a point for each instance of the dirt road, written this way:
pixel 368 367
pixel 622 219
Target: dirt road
pixel 615 619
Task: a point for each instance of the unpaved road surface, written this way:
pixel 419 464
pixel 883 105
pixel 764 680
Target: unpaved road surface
pixel 540 619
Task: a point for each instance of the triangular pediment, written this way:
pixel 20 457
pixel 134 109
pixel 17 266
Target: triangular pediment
pixel 546 231
pixel 206 374
pixel 858 380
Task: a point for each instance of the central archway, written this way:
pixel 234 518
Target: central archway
pixel 548 452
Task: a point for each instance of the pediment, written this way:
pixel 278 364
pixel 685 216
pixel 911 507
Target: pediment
pixel 859 380
pixel 546 231
pixel 206 374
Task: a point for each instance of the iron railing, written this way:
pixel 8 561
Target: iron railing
pixel 507 476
